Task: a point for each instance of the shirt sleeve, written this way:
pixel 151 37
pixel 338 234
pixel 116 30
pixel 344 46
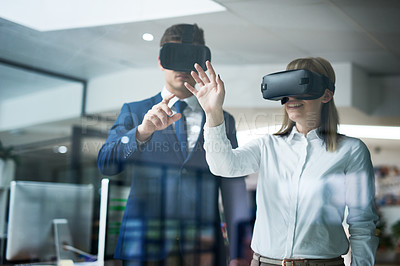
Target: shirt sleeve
pixel 360 199
pixel 234 199
pixel 225 161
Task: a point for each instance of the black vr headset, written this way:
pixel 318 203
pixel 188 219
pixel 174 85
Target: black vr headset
pixel 301 84
pixel 183 56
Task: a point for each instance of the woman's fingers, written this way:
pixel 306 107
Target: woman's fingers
pixel 191 88
pixel 197 78
pixel 219 81
pixel 201 77
pixel 213 81
pixel 202 74
pixel 210 70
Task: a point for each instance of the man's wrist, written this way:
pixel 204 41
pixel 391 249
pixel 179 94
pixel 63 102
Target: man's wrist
pixel 142 137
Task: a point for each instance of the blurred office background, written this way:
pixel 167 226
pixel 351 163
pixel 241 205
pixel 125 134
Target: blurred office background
pixel 66 68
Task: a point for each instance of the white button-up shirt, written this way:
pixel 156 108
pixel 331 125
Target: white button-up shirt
pixel 193 114
pixel 302 193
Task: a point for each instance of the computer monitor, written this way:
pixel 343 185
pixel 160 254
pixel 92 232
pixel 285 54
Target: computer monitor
pixel 33 208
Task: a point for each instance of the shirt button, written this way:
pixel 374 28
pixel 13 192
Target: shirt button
pixel 196 129
pixel 184 171
pixel 125 139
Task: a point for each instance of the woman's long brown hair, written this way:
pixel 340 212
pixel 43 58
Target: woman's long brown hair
pixel 329 114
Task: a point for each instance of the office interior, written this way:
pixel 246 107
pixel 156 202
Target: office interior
pixel 62 86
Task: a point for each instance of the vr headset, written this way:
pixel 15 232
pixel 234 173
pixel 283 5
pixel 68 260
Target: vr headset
pixel 301 84
pixel 183 56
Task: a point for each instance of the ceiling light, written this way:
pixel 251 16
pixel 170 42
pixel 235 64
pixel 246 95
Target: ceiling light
pixel 148 37
pixel 46 15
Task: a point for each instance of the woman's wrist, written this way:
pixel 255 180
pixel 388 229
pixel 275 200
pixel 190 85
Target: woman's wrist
pixel 214 118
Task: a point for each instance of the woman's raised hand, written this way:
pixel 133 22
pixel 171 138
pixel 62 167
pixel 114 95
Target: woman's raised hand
pixel 211 93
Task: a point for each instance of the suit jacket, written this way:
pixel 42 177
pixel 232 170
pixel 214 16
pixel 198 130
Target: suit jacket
pixel 170 196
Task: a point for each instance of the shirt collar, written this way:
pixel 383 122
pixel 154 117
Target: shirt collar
pixel 191 101
pixel 295 134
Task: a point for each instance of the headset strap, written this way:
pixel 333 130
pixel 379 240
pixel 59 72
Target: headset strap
pixel 187 35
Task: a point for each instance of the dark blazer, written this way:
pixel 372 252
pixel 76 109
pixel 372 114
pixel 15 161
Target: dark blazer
pixel 171 197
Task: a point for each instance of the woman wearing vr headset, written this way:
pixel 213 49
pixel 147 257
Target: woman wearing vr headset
pixel 308 175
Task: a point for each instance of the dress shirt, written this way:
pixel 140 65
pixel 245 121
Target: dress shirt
pixel 194 115
pixel 302 193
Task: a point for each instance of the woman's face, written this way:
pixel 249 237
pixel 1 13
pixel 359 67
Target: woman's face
pixel 306 113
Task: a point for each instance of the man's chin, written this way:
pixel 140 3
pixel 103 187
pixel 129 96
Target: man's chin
pixel 181 91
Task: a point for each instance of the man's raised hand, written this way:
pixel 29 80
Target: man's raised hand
pixel 157 118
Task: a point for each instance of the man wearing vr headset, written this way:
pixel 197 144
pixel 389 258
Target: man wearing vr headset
pixel 308 174
pixel 172 216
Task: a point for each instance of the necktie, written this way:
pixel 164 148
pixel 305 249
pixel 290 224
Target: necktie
pixel 180 127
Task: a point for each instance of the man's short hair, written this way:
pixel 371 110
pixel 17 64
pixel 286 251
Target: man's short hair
pixel 174 34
